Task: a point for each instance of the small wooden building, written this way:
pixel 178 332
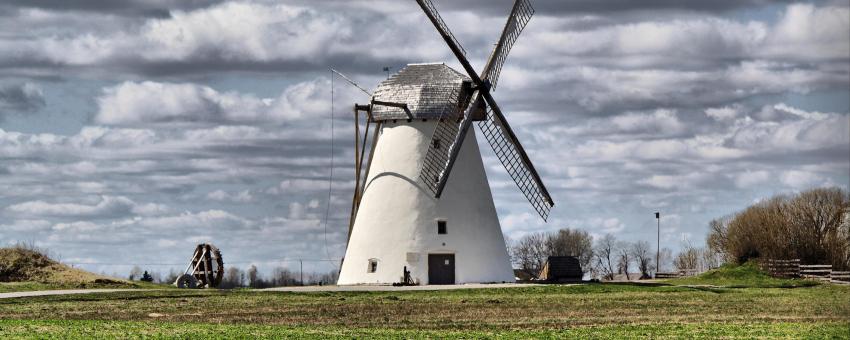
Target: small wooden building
pixel 561 269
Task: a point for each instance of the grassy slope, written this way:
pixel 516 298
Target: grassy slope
pixel 746 275
pixel 23 269
pixel 605 310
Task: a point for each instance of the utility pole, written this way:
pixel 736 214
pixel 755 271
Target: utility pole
pixel 658 244
pixel 301 262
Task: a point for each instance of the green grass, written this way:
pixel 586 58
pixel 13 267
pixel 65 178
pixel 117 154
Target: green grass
pixel 741 276
pixel 124 329
pixel 590 310
pixel 8 287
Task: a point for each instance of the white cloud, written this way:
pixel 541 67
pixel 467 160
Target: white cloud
pixel 725 113
pixel 751 178
pixel 243 196
pixel 801 180
pixel 107 206
pixel 208 219
pixel 805 31
pixel 153 102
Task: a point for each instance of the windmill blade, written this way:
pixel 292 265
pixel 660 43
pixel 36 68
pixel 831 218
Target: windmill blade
pixel 431 11
pixel 447 137
pixel 520 15
pixel 513 157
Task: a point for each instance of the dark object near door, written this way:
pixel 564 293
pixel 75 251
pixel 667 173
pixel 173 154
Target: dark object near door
pixel 561 269
pixel 441 269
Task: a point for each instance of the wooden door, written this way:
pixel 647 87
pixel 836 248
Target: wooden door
pixel 441 269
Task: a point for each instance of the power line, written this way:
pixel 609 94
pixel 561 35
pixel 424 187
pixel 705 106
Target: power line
pixel 331 174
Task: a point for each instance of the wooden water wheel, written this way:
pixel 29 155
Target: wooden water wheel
pixel 205 270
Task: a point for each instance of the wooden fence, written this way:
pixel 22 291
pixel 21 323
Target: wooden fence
pixel 781 268
pixel 673 275
pixel 666 275
pixel 793 268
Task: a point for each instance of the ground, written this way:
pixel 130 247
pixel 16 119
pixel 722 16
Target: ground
pixel 731 302
pixel 603 310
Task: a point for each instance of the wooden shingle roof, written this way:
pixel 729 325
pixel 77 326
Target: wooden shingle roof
pixel 431 91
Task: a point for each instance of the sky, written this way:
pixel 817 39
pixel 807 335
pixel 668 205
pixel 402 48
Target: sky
pixel 132 130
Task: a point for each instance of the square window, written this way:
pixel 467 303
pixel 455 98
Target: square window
pixel 441 227
pixel 373 266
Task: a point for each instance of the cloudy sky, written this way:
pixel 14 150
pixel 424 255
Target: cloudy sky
pixel 132 130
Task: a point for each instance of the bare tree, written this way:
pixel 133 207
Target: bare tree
pixel 688 260
pixel 135 273
pixel 624 258
pixel 665 260
pixel 572 242
pixel 253 277
pixel 282 277
pixel 643 257
pixel 170 278
pixel 530 253
pixel 605 253
pixel 233 277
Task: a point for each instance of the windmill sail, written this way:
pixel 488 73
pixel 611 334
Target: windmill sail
pixel 515 161
pixel 437 157
pixel 520 15
pixel 499 134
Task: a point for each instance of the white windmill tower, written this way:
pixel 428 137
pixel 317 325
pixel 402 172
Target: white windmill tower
pixel 408 214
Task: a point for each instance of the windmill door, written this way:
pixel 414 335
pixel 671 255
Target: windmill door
pixel 441 269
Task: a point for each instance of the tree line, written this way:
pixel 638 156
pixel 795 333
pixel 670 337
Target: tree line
pixel 813 226
pixel 600 259
pixel 810 226
pixel 234 277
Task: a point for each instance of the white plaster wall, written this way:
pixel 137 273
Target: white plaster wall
pixel 398 216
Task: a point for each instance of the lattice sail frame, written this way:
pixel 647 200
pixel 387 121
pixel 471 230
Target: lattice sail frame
pixel 437 157
pixel 520 16
pixel 492 129
pixel 429 6
pixel 498 132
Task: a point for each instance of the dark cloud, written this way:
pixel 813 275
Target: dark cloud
pixel 18 98
pixel 140 8
pixel 560 7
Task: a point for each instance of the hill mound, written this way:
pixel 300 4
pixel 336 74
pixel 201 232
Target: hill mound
pixel 746 275
pixel 19 265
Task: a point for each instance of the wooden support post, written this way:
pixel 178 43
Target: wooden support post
pixel 356 172
pixel 375 136
pixel 359 165
pixel 359 155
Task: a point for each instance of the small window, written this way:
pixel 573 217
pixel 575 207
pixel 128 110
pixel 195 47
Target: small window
pixel 437 143
pixel 441 227
pixel 373 266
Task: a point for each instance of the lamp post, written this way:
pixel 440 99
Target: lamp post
pixel 658 245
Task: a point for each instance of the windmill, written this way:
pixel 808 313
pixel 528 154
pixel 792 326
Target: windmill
pixel 422 209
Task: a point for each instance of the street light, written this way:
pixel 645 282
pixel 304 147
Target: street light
pixel 658 245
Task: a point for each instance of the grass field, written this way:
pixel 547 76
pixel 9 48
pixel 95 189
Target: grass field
pixel 590 310
pixel 730 302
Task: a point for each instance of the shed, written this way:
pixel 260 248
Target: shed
pixel 561 269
